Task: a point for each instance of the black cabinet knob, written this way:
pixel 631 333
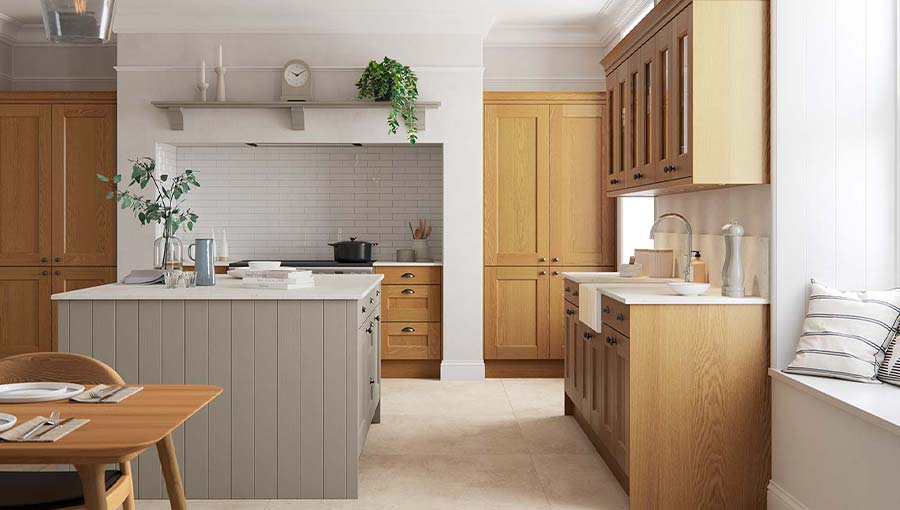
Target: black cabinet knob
pixel 45 260
pixel 364 309
pixel 378 318
pixel 614 181
pixel 57 259
pixel 542 259
pixel 620 317
pixel 555 273
pixel 555 259
pixel 543 273
pixel 605 309
pixel 569 311
pixel 44 273
pixel 638 176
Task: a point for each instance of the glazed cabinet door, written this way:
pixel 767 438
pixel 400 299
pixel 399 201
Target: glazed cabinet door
pixel 25 181
pixel 84 221
pixel 664 106
pixel 516 313
pixel 66 279
pixel 647 74
pixel 24 310
pixel 516 185
pixel 578 233
pixel 682 45
pixel 632 66
pixel 618 179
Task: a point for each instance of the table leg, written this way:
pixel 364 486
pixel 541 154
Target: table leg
pixel 166 449
pixel 128 504
pixel 93 482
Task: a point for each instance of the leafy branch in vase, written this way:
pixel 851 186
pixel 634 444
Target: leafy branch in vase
pixel 166 207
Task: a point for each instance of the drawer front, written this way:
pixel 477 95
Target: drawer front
pixel 615 315
pixel 411 303
pixel 570 290
pixel 367 305
pixel 411 340
pixel 410 275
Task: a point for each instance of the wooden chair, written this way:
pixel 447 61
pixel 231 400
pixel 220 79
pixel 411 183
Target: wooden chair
pixel 59 490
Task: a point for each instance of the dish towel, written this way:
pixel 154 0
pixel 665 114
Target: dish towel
pixel 45 434
pixel 108 394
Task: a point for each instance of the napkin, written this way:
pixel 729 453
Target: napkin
pixel 112 398
pixel 45 434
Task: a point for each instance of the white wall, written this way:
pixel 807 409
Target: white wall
pixel 543 68
pixel 835 200
pixel 155 66
pixel 43 66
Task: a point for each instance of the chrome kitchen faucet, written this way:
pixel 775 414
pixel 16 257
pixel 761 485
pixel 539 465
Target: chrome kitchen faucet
pixel 690 234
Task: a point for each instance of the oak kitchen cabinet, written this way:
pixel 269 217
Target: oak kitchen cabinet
pixel 675 398
pixel 57 230
pixel 410 332
pixel 545 211
pixel 663 141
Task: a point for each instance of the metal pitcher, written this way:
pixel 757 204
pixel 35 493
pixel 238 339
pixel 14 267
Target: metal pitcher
pixel 204 263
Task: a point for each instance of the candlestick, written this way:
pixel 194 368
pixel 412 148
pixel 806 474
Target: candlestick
pixel 220 56
pixel 203 87
pixel 220 83
pixel 203 71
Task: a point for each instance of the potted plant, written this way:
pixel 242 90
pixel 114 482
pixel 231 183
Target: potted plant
pixel 394 82
pixel 164 208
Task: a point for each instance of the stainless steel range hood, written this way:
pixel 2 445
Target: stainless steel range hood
pixel 78 21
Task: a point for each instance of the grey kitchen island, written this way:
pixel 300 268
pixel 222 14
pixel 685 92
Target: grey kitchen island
pixel 300 371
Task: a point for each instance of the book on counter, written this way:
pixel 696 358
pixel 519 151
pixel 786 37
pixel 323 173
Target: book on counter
pixel 280 274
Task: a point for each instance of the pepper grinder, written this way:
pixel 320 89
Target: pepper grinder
pixel 733 270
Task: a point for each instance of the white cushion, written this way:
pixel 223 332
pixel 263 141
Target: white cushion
pixel 845 334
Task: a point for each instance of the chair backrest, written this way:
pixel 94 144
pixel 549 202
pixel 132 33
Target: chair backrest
pixel 58 367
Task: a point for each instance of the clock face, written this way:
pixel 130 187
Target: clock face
pixel 296 74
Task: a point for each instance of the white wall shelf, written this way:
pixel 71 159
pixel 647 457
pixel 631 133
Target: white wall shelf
pixel 175 109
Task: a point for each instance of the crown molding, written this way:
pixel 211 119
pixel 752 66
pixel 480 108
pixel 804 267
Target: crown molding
pixel 626 14
pixel 33 34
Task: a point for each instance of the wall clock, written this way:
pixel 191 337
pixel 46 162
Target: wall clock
pixel 296 82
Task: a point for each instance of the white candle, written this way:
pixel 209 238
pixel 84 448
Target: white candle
pixel 203 71
pixel 220 55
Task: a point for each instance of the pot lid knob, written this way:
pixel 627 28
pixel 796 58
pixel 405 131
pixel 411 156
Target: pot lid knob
pixel 353 239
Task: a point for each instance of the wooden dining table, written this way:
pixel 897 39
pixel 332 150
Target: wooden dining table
pixel 116 433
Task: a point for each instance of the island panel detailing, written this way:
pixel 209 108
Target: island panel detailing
pixel 412 309
pixel 675 399
pixel 301 382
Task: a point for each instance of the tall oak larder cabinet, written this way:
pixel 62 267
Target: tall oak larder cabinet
pixel 57 230
pixel 545 212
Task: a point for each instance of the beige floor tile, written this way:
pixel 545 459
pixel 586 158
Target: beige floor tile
pixel 456 482
pixel 554 434
pixel 444 398
pixel 579 482
pixel 439 435
pixel 22 467
pixel 535 397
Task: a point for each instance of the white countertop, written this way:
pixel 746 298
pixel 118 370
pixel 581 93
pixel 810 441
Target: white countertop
pixel 402 264
pixel 341 287
pixel 660 294
pixel 612 277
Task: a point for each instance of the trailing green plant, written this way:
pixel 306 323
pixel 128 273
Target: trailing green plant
pixel 394 82
pixel 166 207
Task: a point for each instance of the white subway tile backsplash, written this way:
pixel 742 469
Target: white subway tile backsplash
pixel 291 201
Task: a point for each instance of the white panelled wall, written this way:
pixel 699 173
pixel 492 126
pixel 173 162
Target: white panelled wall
pixel 835 202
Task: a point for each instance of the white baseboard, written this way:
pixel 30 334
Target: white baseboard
pixel 462 370
pixel 780 499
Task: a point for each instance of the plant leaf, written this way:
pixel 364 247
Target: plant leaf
pixel 102 177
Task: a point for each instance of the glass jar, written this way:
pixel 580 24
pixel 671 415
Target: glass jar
pixel 167 251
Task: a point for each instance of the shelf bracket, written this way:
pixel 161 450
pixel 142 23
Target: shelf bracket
pixel 420 118
pixel 298 121
pixel 176 118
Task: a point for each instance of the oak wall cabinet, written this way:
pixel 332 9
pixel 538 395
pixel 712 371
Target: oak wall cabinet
pixel 57 230
pixel 545 212
pixel 688 99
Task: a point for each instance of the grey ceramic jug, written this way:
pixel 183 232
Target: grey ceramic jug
pixel 204 261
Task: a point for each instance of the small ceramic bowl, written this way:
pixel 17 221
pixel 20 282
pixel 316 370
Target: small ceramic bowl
pixel 689 289
pixel 263 265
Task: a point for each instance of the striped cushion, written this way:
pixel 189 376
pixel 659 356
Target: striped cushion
pixel 890 369
pixel 845 334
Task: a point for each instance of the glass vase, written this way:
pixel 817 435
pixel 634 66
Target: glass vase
pixel 167 251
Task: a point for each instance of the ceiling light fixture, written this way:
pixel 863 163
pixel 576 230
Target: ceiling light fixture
pixel 78 21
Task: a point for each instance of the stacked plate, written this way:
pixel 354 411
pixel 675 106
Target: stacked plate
pixel 21 393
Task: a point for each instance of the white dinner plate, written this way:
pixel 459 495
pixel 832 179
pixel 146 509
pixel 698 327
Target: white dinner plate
pixel 241 271
pixel 20 393
pixel 6 421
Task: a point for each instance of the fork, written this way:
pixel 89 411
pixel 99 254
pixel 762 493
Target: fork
pixel 52 421
pixel 105 392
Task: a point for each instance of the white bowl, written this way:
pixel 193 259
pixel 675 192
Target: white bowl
pixel 263 265
pixel 689 289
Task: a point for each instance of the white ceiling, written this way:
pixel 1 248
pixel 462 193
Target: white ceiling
pixel 586 22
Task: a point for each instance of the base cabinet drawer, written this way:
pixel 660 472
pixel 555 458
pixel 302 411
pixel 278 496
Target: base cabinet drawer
pixel 411 340
pixel 616 315
pixel 413 303
pixel 410 275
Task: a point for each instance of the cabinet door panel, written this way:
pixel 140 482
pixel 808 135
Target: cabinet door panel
pixel 24 310
pixel 516 313
pixel 666 95
pixel 621 354
pixel 516 185
pixel 84 221
pixel 417 303
pixel 682 45
pixel 66 279
pixel 618 179
pixel 571 330
pixel 577 201
pixel 648 74
pixel 25 181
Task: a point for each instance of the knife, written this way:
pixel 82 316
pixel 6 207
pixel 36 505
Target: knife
pixel 111 394
pixel 54 427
